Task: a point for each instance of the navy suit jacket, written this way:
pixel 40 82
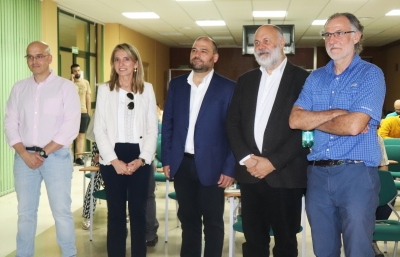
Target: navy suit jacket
pixel 213 155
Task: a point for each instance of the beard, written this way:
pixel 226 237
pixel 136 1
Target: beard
pixel 77 76
pixel 199 67
pixel 269 61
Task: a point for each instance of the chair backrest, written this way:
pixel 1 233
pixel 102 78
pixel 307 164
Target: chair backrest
pixel 158 150
pixel 392 141
pixel 388 188
pixel 393 153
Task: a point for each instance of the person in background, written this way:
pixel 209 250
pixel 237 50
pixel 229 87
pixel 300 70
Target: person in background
pixel 390 127
pixel 125 129
pixel 195 149
pixel 41 121
pixel 271 163
pixel 342 102
pixel 84 92
pixel 396 109
pixel 98 181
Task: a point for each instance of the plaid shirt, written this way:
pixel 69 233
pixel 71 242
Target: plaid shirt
pixel 360 88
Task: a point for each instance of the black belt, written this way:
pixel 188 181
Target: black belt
pixel 332 162
pixel 34 148
pixel 189 155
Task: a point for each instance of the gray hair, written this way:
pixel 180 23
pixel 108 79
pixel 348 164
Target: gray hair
pixel 355 25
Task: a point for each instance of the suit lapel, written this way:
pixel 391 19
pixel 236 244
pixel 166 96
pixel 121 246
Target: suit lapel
pixel 212 90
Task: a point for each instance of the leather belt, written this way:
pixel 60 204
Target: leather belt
pixel 332 162
pixel 189 155
pixel 34 148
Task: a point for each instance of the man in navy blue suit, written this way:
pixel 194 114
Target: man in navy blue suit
pixel 196 151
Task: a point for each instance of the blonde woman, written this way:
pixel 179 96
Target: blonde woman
pixel 126 135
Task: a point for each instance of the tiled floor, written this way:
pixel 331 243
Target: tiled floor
pixel 46 245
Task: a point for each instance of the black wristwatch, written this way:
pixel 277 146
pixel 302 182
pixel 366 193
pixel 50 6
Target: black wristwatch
pixel 143 161
pixel 43 153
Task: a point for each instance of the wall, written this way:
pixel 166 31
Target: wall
pixel 392 74
pixel 50 30
pixel 232 63
pixel 153 53
pixel 20 24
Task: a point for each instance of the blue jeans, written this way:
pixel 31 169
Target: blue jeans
pixel 340 200
pixel 56 172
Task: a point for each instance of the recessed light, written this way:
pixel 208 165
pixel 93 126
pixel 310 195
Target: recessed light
pixel 393 13
pixel 318 22
pixel 141 15
pixel 269 14
pixel 211 23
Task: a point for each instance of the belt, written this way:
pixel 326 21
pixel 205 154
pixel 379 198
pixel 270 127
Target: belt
pixel 34 148
pixel 189 155
pixel 332 162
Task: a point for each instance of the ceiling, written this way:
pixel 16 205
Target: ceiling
pixel 177 24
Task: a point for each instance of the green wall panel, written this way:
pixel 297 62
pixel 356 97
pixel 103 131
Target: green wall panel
pixel 20 24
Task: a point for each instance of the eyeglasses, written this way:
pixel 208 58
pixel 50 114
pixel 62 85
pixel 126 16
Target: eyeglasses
pixel 131 105
pixel 38 57
pixel 337 34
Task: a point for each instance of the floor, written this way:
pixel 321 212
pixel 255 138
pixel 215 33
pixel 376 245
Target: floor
pixel 46 245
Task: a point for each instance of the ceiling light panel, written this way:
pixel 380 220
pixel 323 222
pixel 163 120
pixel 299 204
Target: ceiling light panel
pixel 211 23
pixel 269 14
pixel 140 15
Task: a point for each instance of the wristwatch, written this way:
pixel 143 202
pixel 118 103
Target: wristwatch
pixel 43 153
pixel 143 161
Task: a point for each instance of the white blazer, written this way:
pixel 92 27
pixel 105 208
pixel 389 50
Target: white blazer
pixel 105 124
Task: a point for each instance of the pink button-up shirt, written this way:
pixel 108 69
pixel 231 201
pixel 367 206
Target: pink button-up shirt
pixel 37 114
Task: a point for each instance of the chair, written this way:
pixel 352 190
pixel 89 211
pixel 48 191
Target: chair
pixel 93 172
pixel 391 141
pixel 160 177
pixel 387 230
pixel 237 226
pixel 173 196
pixel 393 153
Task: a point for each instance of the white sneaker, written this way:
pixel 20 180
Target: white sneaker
pixel 86 224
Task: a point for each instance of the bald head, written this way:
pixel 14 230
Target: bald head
pixel 39 44
pixel 208 39
pixel 397 106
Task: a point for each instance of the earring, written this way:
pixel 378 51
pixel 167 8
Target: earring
pixel 135 70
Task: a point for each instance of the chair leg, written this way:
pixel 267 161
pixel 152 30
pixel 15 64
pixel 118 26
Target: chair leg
pixel 385 247
pixel 177 219
pixel 395 248
pixel 166 209
pixel 303 224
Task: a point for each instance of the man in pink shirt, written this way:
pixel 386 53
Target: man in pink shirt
pixel 42 119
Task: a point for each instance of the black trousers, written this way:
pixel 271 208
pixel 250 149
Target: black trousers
pixel 122 188
pixel 199 205
pixel 265 207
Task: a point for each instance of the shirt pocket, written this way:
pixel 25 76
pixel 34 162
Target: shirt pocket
pixel 321 100
pixel 53 106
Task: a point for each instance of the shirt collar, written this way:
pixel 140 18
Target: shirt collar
pixel 47 80
pixel 277 70
pixel 206 79
pixel 330 67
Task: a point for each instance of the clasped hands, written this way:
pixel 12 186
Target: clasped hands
pixel 259 167
pixel 123 168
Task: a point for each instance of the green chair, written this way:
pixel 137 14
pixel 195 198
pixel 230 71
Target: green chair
pixel 173 196
pixel 391 141
pixel 393 153
pixel 387 230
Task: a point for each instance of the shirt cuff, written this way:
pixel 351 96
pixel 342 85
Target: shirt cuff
pixel 244 159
